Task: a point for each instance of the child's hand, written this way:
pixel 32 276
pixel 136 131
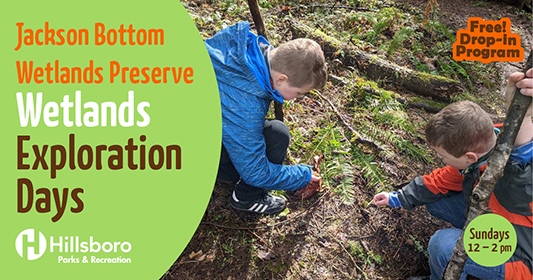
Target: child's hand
pixel 315 178
pixel 518 80
pixel 381 198
pixel 314 186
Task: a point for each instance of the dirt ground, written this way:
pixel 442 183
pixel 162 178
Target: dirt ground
pixel 325 237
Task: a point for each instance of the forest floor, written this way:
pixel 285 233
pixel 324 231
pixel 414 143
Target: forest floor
pixel 339 233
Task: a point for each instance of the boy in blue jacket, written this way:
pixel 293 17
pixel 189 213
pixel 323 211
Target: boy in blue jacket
pixel 251 74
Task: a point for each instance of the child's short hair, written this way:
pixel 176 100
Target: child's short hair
pixel 461 127
pixel 302 60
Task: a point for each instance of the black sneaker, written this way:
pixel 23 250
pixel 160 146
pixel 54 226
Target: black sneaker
pixel 268 204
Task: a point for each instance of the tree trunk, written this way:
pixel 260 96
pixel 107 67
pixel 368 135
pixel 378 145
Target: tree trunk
pixel 479 201
pixel 260 27
pixel 376 68
pixel 410 102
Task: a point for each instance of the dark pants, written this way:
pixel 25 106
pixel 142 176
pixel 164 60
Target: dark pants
pixel 277 138
pixel 441 245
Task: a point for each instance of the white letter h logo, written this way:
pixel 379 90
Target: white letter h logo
pixel 30 238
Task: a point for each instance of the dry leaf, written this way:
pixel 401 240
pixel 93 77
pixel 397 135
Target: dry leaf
pixel 314 186
pixel 324 244
pixel 431 63
pixel 210 257
pixel 265 255
pixel 196 256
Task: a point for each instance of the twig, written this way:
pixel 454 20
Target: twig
pixel 184 262
pixel 397 251
pixel 359 139
pixel 421 105
pixel 267 245
pixel 343 7
pixel 221 249
pixel 515 65
pixel 360 237
pixel 336 80
pixel 346 274
pixel 348 253
pixel 323 212
pixel 311 109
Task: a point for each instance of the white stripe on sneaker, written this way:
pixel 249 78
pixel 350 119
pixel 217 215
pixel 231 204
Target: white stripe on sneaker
pixel 264 208
pixel 234 197
pixel 253 207
pixel 258 208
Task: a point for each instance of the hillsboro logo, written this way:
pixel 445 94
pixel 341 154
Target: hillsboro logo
pixel 27 237
pixel 31 245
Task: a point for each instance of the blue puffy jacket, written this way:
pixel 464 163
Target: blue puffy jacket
pixel 245 96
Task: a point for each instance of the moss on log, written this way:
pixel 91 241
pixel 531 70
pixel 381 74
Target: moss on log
pixel 377 68
pixel 430 106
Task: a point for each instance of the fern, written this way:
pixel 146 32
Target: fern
pixel 412 150
pixel 340 171
pixel 401 36
pixel 369 168
pixel 405 146
pixel 396 119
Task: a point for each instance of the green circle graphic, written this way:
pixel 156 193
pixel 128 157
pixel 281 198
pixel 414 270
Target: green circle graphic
pixel 490 240
pixel 107 176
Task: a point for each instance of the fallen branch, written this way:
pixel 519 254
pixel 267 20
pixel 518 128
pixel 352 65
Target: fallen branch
pixel 356 134
pixel 424 106
pixel 337 80
pixel 377 68
pixel 335 6
pixel 405 101
pixel 479 201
